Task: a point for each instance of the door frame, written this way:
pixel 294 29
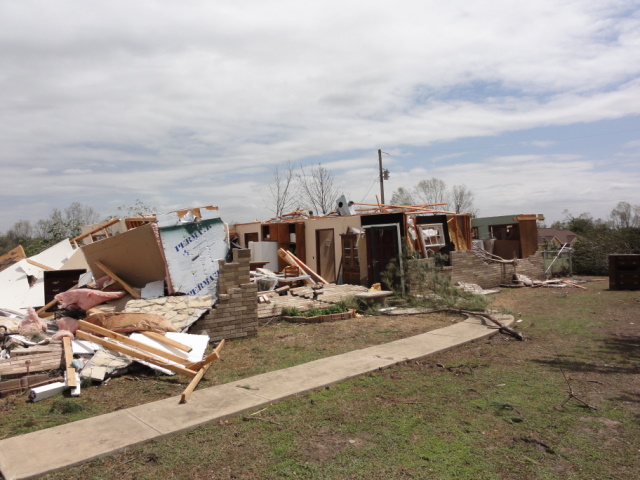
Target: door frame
pixel 370 248
pixel 333 241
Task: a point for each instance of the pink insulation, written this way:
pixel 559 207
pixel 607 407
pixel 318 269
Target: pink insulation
pixel 86 298
pixel 32 323
pixel 68 323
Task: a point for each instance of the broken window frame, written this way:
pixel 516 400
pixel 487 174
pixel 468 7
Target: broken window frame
pixel 426 239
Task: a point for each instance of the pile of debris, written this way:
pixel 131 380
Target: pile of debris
pixel 90 311
pixel 154 291
pixel 520 281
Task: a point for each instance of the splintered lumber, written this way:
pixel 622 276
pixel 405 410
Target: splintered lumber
pixel 124 284
pixel 194 383
pixel 160 362
pixel 294 261
pixel 167 341
pixel 68 358
pixel 132 343
pixel 206 361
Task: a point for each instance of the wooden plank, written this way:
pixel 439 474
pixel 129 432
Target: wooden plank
pixel 294 261
pixel 39 265
pixel 68 351
pixel 124 284
pixel 71 377
pixel 194 383
pixel 132 343
pixel 68 358
pixel 213 356
pixel 37 363
pixel 167 341
pixel 160 362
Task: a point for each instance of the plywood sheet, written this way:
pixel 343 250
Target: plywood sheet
pixel 134 256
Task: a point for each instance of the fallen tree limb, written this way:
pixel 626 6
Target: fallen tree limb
pixel 571 394
pixel 490 257
pixel 501 327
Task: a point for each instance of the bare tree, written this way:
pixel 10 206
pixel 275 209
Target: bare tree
pixel 625 215
pixel 318 189
pixel 283 189
pixel 402 196
pixel 432 190
pixel 462 200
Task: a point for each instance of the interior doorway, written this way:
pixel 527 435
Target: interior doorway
pixel 326 254
pixel 384 245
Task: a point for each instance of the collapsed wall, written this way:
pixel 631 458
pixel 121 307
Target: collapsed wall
pixel 467 267
pixel 236 313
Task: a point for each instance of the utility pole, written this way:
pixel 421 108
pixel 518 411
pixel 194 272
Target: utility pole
pixel 381 177
pixel 384 175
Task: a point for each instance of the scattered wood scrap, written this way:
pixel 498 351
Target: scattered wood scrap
pixel 294 261
pixel 174 363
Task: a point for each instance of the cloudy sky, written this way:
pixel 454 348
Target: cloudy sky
pixel 535 106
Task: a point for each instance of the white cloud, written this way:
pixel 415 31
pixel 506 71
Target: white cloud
pixel 181 102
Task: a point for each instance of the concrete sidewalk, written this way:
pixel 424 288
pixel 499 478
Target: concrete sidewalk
pixel 75 443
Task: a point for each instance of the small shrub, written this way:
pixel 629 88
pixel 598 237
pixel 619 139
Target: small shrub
pixel 290 312
pixel 338 307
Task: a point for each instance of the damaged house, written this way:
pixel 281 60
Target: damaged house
pixel 356 243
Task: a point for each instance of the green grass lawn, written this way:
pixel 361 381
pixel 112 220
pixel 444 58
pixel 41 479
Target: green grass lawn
pixel 493 409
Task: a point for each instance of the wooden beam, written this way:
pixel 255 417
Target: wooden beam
pixel 132 343
pixel 194 382
pixel 124 284
pixel 39 265
pixel 167 341
pixel 160 362
pixel 68 358
pixel 206 361
pixel 294 261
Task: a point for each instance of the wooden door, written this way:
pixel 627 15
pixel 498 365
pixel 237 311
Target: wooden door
pixel 384 249
pixel 250 237
pixel 326 254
